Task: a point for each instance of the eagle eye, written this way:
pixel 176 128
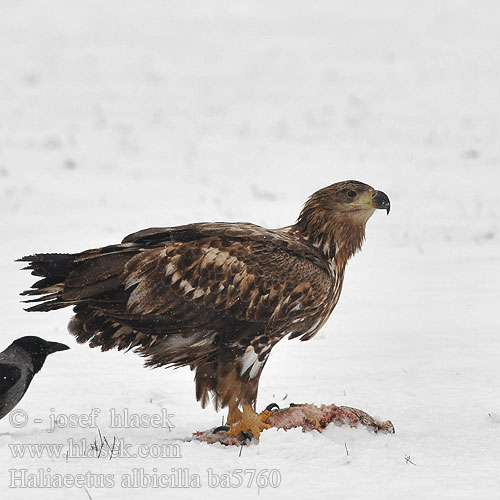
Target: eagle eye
pixel 351 194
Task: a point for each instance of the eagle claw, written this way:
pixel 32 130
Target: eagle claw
pixel 221 428
pixel 250 422
pixel 272 406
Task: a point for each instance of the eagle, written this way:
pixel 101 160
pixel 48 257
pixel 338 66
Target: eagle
pixel 216 297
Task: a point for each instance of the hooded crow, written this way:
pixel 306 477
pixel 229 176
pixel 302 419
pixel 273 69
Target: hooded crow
pixel 18 365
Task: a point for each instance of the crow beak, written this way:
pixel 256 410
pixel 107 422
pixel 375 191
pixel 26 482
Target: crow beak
pixel 381 200
pixel 56 346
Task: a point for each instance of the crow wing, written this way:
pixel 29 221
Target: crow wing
pixel 9 376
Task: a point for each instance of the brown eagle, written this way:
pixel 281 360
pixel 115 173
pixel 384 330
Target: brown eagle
pixel 213 296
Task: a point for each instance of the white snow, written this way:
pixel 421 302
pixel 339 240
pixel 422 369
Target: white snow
pixel 121 115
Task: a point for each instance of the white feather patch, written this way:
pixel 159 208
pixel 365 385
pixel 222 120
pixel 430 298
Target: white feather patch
pixel 250 361
pixel 169 269
pixel 176 277
pixel 186 286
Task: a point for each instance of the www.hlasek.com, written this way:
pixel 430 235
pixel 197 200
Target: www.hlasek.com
pixel 100 447
pixel 140 478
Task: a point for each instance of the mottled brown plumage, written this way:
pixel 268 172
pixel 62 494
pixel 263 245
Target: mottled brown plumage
pixel 213 296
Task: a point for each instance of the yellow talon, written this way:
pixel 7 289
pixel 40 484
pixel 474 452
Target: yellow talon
pixel 248 421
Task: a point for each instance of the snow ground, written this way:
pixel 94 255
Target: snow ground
pixel 121 115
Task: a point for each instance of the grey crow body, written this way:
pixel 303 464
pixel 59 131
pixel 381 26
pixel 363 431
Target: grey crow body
pixel 18 365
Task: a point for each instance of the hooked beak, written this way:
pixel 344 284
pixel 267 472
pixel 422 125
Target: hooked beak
pixel 381 200
pixel 373 199
pixel 56 346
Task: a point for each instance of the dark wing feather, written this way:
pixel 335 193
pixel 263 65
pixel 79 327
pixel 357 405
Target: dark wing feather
pixel 213 296
pixel 227 281
pixel 213 290
pixel 178 294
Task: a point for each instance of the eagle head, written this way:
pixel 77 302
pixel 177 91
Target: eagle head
pixel 335 217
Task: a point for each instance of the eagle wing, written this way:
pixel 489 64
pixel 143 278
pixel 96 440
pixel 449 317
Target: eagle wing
pixel 213 296
pixel 178 294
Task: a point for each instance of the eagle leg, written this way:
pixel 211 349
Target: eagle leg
pixel 247 421
pixel 234 414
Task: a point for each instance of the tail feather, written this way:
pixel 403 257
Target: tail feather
pixel 48 305
pixel 54 268
pixel 71 279
pixel 49 283
pixel 92 283
pixel 49 264
pixel 40 299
